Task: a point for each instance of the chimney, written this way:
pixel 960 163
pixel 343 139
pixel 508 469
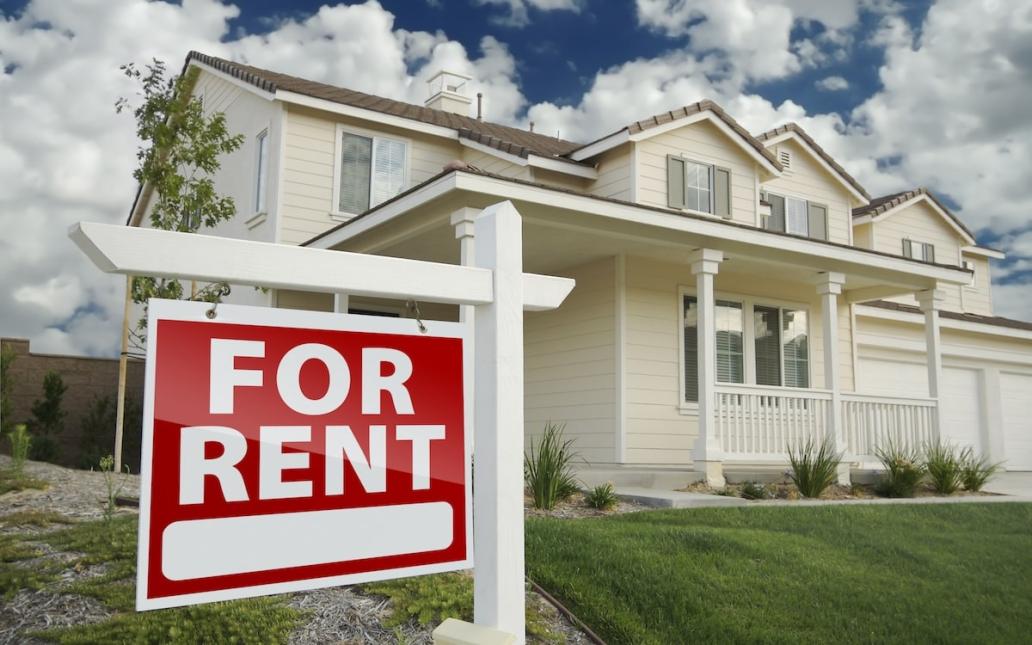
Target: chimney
pixel 448 93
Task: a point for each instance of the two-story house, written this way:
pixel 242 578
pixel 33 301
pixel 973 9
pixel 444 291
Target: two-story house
pixel 736 293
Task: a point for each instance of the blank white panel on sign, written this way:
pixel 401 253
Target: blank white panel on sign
pixel 225 546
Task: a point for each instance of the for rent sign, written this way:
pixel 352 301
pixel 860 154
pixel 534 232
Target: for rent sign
pixel 288 450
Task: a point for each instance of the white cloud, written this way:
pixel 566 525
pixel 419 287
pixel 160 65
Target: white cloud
pixel 832 84
pixel 518 14
pixel 65 155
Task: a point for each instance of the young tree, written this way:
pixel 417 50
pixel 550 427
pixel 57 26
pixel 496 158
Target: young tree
pixel 48 419
pixel 181 150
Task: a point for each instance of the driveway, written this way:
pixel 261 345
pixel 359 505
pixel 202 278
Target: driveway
pixel 1012 483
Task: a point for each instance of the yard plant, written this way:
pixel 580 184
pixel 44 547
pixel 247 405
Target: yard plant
pixel 904 470
pixel 548 468
pixel 602 497
pixel 814 466
pixel 944 463
pixel 975 471
pixel 48 419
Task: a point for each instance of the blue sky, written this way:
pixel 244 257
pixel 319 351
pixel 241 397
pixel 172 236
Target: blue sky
pixel 903 94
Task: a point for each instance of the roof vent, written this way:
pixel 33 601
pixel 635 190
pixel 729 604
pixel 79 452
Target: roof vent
pixel 448 93
pixel 785 159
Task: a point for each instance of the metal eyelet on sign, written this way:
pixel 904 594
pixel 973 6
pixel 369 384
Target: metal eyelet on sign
pixel 413 308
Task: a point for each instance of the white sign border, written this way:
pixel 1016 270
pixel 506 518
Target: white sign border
pixel 273 317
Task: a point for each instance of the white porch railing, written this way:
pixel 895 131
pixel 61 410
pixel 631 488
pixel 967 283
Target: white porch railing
pixel 872 422
pixel 759 423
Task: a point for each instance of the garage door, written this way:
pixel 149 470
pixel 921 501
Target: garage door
pixel 1016 396
pixel 960 394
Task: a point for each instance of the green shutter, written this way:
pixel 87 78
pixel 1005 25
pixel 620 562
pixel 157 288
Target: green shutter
pixel 929 253
pixel 675 181
pixel 908 249
pixel 776 221
pixel 818 216
pixel 722 192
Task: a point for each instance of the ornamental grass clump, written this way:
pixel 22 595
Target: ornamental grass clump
pixel 904 470
pixel 945 468
pixel 814 466
pixel 547 468
pixel 602 497
pixel 975 471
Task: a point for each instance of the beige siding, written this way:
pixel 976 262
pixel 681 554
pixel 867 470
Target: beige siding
pixel 614 174
pixel 658 430
pixel 977 298
pixel 863 236
pixel 570 369
pixel 702 142
pixel 560 180
pixel 919 222
pixel 306 300
pixel 806 179
pixel 309 170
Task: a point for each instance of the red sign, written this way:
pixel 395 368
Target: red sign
pixel 287 450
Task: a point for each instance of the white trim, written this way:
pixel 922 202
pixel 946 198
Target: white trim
pixel 280 147
pixel 748 303
pixel 374 136
pixel 983 251
pixel 268 96
pixel 914 201
pixel 946 323
pixel 715 228
pixel 623 136
pixel 534 161
pixel 366 115
pixel 260 184
pixel 856 194
pixel 256 220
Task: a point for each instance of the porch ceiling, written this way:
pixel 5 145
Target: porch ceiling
pixel 557 237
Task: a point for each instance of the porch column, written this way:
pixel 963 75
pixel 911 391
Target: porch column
pixel 930 302
pixel 829 286
pixel 707 454
pixel 463 220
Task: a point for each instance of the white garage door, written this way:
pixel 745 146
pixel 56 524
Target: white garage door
pixel 1016 396
pixel 960 394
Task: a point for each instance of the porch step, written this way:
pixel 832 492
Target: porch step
pixel 673 498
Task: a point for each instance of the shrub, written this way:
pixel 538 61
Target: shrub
pixel 975 471
pixel 602 497
pixel 943 462
pixel 98 433
pixel 904 470
pixel 113 483
pixel 20 443
pixel 547 470
pixel 814 467
pixel 753 490
pixel 48 418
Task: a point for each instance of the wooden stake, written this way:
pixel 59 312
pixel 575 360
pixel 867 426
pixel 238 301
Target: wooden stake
pixel 122 358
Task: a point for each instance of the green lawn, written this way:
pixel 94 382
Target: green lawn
pixel 958 573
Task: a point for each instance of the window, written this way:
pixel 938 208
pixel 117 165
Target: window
pixel 776 344
pixel 698 186
pixel 919 251
pixel 261 170
pixel 372 170
pixel 796 216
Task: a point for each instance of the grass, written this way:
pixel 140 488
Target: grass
pixel 843 574
pixel 12 481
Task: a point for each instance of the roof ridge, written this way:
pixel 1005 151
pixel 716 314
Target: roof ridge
pixel 792 126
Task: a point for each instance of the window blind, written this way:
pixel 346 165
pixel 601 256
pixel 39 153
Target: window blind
pixel 729 343
pixel 691 349
pixel 767 345
pixel 388 170
pixel 355 157
pixel 796 348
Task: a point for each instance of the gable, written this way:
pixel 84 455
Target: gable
pixel 702 142
pixel 918 220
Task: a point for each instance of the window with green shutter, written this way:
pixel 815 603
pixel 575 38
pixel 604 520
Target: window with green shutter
pixel 699 187
pixel 796 216
pixel 922 251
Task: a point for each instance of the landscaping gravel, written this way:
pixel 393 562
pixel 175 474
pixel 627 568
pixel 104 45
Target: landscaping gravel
pixel 335 615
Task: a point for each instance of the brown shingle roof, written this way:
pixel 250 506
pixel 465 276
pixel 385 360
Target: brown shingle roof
pixel 688 110
pixel 888 202
pixel 996 321
pixel 497 136
pixel 794 127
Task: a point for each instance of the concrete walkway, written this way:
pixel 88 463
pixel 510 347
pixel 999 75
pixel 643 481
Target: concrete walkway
pixel 1013 483
pixel 657 498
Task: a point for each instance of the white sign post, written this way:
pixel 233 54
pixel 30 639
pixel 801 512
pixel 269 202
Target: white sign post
pixel 497 287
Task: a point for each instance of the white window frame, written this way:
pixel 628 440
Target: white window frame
pixel 968 264
pixel 766 192
pixel 261 173
pixel 916 246
pixel 748 340
pixel 338 145
pixel 712 184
